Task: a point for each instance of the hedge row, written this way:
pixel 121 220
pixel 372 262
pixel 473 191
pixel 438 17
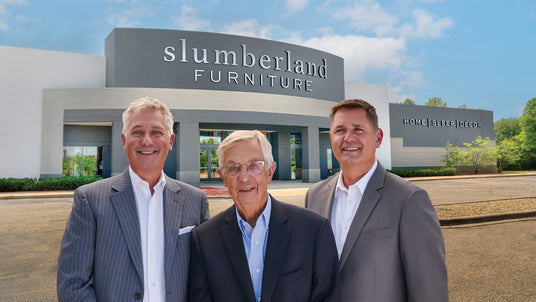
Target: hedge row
pixel 45 184
pixel 424 172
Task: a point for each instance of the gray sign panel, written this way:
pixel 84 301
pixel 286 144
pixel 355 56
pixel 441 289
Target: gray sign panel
pixel 427 126
pixel 198 60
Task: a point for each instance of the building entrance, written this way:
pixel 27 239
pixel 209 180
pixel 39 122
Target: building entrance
pixel 208 158
pixel 295 156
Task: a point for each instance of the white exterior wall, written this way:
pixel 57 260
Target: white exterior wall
pixel 409 156
pixel 24 73
pixel 378 96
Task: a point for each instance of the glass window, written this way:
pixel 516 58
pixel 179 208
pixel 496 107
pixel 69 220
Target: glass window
pixel 80 161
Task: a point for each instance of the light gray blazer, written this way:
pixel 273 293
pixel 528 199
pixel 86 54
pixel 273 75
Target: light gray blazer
pixel 101 258
pixel 394 250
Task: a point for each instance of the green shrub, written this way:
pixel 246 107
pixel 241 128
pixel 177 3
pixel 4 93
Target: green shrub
pixel 448 171
pixel 45 184
pixel 14 184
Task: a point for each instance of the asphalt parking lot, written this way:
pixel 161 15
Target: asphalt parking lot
pixel 486 262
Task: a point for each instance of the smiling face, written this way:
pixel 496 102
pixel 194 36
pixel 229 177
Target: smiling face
pixel 249 190
pixel 147 143
pixel 354 140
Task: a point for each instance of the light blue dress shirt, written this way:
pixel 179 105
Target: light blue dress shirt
pixel 255 240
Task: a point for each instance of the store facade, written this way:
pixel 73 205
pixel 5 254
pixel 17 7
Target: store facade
pixel 214 84
pixel 65 109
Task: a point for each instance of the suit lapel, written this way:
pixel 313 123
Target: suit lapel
pixel 234 245
pixel 278 237
pixel 329 194
pixel 173 205
pixel 370 198
pixel 124 204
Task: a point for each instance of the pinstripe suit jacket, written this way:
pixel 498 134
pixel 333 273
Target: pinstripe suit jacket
pixel 101 258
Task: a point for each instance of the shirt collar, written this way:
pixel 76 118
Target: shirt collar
pixel 137 181
pixel 263 220
pixel 361 184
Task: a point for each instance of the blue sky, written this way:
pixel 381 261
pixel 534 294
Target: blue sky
pixel 474 52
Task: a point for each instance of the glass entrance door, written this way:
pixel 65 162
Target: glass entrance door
pixel 208 158
pixel 208 163
pixel 295 156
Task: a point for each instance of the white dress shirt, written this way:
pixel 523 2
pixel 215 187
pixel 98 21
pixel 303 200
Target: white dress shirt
pixel 345 205
pixel 151 217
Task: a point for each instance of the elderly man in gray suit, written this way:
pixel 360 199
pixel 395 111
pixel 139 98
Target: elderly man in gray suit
pixel 387 233
pixel 128 237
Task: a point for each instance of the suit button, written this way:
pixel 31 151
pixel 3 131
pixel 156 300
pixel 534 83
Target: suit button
pixel 137 296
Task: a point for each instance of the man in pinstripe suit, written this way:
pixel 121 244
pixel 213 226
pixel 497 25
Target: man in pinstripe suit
pixel 128 237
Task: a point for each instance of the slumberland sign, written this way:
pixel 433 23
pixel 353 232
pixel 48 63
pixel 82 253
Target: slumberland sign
pixel 198 60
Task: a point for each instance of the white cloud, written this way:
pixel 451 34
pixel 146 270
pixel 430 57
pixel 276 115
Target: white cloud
pixel 367 16
pixel 431 1
pixel 250 28
pixel 326 30
pixel 385 49
pixel 295 6
pixel 130 17
pixel 362 53
pixel 4 12
pixel 190 19
pixel 426 25
pixel 412 79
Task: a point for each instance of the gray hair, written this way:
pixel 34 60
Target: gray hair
pixel 148 103
pixel 241 135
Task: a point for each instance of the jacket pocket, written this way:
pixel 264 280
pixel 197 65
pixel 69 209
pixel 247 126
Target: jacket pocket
pixel 286 278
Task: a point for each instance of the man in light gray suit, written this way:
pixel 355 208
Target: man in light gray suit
pixel 387 233
pixel 128 237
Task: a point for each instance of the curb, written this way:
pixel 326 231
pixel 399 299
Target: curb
pixel 469 176
pixel 442 222
pixel 486 218
pixel 218 197
pixel 36 195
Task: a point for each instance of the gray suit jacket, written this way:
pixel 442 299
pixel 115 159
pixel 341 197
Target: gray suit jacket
pixel 394 250
pixel 101 258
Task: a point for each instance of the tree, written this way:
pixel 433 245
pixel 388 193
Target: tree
pixel 507 129
pixel 435 102
pixel 408 102
pixel 507 153
pixel 480 153
pixel 453 157
pixel 528 134
pixel 86 166
pixel 463 106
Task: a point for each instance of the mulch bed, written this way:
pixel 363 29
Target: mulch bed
pixel 483 208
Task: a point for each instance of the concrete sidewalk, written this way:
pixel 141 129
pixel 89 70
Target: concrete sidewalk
pixel 442 190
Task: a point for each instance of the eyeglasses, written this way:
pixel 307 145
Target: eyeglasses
pixel 254 167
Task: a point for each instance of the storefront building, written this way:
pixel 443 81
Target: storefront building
pixel 419 134
pixel 62 111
